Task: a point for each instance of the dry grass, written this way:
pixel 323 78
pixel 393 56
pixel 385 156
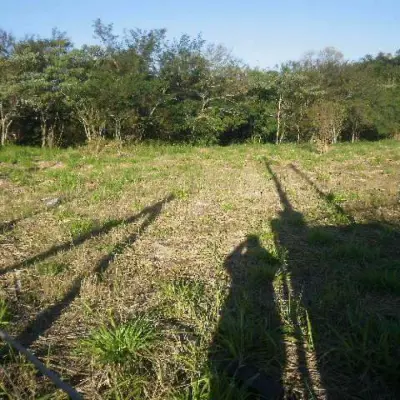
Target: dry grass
pixel 202 243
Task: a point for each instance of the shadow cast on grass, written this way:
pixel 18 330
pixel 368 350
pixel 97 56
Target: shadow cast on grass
pixel 328 298
pixel 247 353
pixel 107 227
pixel 328 198
pixel 46 318
pixel 343 284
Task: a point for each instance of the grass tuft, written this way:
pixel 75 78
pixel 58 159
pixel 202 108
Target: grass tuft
pixel 80 227
pixel 184 299
pixel 51 268
pixel 121 344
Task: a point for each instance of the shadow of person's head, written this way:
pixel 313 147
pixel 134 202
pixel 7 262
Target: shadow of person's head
pixel 249 255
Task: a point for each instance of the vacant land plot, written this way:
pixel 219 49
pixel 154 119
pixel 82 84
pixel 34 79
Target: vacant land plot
pixel 202 273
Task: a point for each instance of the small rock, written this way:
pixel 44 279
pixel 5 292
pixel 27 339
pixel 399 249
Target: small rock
pixel 161 252
pixel 49 164
pixel 52 202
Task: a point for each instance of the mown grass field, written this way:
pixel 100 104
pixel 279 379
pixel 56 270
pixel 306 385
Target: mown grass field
pixel 172 272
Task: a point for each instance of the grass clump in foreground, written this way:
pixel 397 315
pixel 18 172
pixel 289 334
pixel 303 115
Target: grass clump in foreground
pixel 125 351
pixel 122 343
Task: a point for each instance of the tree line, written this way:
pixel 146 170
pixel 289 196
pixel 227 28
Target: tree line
pixel 141 86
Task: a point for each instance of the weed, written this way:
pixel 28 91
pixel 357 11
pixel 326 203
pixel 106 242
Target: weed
pixel 245 338
pixel 64 180
pixel 212 385
pixel 185 299
pixel 339 218
pixel 263 257
pixel 236 334
pixel 51 268
pixel 121 344
pixel 181 194
pixel 336 197
pixel 227 206
pixel 80 227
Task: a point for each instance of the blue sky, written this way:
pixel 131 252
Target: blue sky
pixel 262 33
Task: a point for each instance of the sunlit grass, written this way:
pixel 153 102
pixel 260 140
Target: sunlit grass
pixel 314 281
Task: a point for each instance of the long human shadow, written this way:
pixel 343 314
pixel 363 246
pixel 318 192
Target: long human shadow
pixel 342 282
pixel 107 227
pixel 295 221
pixel 46 318
pixel 247 354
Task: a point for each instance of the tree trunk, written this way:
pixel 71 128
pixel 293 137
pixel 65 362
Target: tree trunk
pixel 354 132
pixel 3 132
pixel 51 136
pixel 83 117
pixel 87 130
pixel 7 128
pixel 91 121
pixel 118 129
pixel 354 136
pixel 6 122
pixel 283 130
pixel 278 120
pixel 61 134
pixel 43 129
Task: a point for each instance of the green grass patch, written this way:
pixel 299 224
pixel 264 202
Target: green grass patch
pixel 227 207
pixel 185 299
pixel 51 268
pixel 181 194
pixel 81 227
pixel 122 343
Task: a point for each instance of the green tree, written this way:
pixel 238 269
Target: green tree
pixel 8 88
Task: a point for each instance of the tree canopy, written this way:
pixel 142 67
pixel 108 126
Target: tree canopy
pixel 140 86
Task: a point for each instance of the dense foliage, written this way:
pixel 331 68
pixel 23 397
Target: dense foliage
pixel 142 86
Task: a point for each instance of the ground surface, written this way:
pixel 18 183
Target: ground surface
pixel 191 273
